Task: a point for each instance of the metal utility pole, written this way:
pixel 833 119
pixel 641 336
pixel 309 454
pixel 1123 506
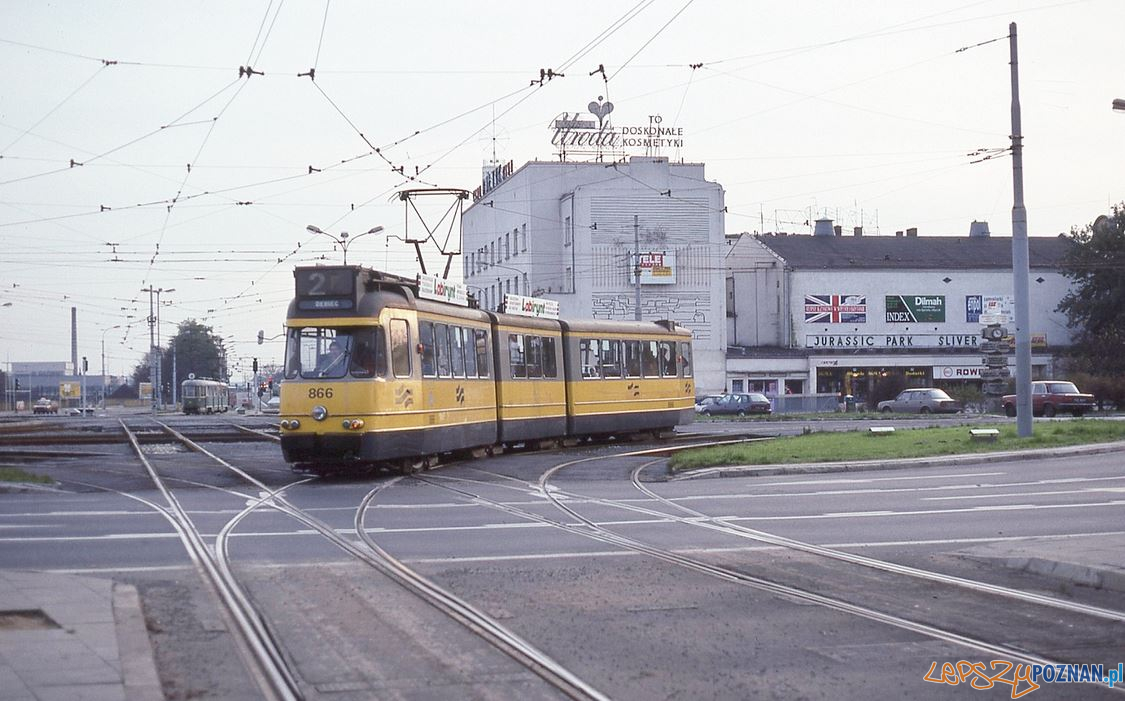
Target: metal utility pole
pixel 636 268
pixel 153 365
pixel 1020 267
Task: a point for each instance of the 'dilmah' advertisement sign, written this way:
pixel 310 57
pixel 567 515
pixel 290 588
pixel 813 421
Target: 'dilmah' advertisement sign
pixel 912 309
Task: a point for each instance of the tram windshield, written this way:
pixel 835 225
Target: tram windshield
pixel 334 353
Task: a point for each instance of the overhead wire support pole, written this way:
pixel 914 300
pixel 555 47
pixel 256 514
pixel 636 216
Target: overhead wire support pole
pixel 1020 267
pixel 636 268
pixel 152 363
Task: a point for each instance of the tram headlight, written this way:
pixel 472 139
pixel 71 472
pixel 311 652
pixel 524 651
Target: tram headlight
pixel 290 424
pixel 319 412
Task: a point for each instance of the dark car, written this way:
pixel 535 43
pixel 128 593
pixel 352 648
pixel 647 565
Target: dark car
pixel 1048 397
pixel 702 402
pixel 739 404
pixel 921 400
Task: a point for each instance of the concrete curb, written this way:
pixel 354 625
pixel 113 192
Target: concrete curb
pixel 1069 572
pixel 138 665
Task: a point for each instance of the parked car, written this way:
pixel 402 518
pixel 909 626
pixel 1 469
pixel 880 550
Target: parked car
pixel 739 404
pixel 1048 397
pixel 701 402
pixel 921 400
pixel 273 406
pixel 45 406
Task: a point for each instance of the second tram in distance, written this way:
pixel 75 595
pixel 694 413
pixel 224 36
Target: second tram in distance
pixel 386 370
pixel 204 396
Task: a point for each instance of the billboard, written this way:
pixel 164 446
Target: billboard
pixel 657 268
pixel 835 309
pixel 912 309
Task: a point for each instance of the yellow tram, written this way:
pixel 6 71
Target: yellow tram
pixel 387 370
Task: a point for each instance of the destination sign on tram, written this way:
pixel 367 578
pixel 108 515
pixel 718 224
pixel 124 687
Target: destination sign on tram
pixel 325 288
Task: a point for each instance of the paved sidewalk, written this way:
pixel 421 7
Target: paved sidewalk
pixel 64 637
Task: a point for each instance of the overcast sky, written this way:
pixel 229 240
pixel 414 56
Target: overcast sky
pixel 132 154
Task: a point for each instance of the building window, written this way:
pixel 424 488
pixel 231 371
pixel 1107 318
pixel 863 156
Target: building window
pixel 526 289
pixel 568 232
pixel 507 246
pixel 523 237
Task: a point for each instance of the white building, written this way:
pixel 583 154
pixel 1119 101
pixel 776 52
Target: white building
pixel 567 231
pixel 837 314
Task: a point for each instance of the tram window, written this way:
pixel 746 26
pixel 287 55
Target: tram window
pixel 324 352
pixel 369 353
pixel 292 353
pixel 516 355
pixel 667 359
pixel 685 358
pixel 457 346
pixel 441 343
pixel 400 348
pixel 588 354
pixel 480 340
pixel 611 359
pixel 426 331
pixel 632 358
pixel 648 359
pixel 534 356
pixel 470 353
pixel 550 365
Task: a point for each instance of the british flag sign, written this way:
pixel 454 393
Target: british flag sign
pixel 835 309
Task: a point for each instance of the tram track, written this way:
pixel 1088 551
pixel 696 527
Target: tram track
pixel 815 591
pixel 252 624
pixel 267 662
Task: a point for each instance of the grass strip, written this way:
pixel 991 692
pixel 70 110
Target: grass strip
pixel 828 446
pixel 14 474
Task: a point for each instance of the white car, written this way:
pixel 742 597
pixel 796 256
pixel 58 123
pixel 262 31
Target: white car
pixel 273 406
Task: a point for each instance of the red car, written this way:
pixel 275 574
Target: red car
pixel 1048 397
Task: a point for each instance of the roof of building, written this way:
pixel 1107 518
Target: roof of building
pixel 897 252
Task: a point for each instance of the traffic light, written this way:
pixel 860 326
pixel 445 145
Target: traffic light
pixel 271 384
pixel 85 365
pixel 17 384
pixel 255 365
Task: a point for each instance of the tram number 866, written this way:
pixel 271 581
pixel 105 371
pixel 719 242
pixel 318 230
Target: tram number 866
pixel 320 393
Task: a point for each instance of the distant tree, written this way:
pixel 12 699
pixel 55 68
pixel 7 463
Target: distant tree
pixel 124 392
pixel 1095 306
pixel 197 351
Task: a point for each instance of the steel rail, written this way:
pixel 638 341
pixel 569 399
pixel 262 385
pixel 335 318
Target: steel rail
pixel 702 520
pixel 786 590
pixel 472 618
pixel 273 675
pixel 590 529
pixel 479 622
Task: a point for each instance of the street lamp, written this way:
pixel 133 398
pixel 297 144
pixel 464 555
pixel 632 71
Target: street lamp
pixel 342 240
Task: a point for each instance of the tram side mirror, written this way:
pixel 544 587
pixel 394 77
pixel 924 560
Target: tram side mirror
pixel 261 337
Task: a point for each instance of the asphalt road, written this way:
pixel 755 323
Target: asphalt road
pixel 632 625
